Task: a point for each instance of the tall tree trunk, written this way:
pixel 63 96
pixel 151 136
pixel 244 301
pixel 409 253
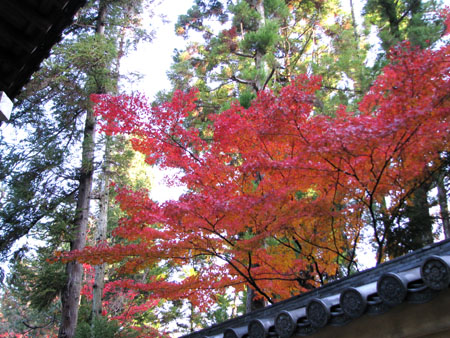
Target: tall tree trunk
pixel 359 71
pixel 420 222
pixel 100 235
pixel 443 203
pixel 355 27
pixel 251 303
pixel 418 230
pixel 260 65
pixel 102 224
pixel 70 296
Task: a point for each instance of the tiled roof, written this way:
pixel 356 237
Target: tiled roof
pixel 28 30
pixel 414 278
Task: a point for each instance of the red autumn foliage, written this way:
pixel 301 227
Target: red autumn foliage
pixel 278 198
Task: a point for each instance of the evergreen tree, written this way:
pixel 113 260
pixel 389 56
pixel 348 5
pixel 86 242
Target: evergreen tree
pixel 47 173
pixel 264 44
pixel 414 20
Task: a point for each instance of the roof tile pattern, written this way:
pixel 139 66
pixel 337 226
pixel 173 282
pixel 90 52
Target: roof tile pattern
pixel 414 278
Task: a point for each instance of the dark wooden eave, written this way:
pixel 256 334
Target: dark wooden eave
pixel 402 291
pixel 28 31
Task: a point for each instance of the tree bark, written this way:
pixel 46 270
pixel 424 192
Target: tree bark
pixel 100 236
pixel 420 221
pixel 253 304
pixel 260 80
pixel 70 297
pixel 355 29
pixel 102 224
pixel 443 203
pixel 260 65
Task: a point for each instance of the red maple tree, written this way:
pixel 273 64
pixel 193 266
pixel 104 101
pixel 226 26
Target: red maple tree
pixel 277 196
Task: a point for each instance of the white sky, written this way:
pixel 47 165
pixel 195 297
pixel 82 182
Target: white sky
pixel 154 59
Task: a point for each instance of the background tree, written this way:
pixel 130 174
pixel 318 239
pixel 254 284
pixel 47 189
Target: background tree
pixel 47 173
pixel 413 20
pixel 264 44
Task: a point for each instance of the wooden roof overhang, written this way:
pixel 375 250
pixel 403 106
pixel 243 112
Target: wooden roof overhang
pixel 28 31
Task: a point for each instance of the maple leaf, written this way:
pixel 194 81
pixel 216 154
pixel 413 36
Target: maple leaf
pixel 278 198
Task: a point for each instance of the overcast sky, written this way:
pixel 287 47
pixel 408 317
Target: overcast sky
pixel 153 59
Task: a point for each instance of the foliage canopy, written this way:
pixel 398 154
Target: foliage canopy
pixel 277 196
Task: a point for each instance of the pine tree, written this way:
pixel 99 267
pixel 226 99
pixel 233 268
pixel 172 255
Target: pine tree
pixel 263 45
pixel 48 171
pixel 414 20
